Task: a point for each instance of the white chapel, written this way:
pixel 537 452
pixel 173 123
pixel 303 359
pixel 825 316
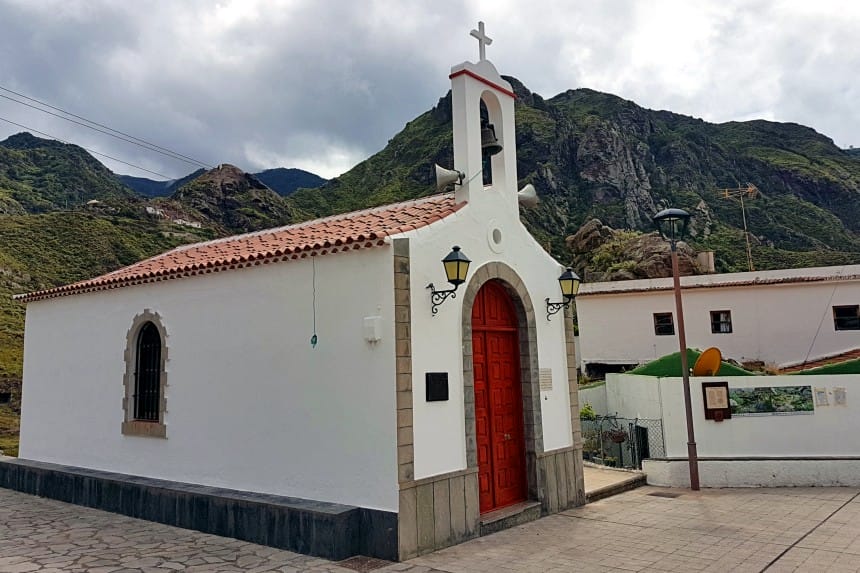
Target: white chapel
pixel 304 387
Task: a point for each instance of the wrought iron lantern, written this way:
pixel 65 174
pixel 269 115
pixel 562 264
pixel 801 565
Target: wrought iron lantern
pixel 569 282
pixel 456 268
pixel 672 224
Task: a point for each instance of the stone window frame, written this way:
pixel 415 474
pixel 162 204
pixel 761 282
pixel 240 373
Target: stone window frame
pixel 131 426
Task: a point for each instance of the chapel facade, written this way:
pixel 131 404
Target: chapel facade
pixel 306 387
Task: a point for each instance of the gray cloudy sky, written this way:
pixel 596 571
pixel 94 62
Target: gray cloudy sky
pixel 322 84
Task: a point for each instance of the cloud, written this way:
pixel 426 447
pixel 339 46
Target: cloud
pixel 322 84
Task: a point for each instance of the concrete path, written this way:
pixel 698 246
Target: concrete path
pixel 601 482
pixel 647 529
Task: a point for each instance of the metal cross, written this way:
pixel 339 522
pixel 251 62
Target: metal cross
pixel 483 40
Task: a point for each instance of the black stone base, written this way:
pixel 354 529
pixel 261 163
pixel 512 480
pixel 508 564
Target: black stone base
pixel 322 529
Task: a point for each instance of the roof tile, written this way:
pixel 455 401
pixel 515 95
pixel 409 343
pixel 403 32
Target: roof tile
pixel 359 229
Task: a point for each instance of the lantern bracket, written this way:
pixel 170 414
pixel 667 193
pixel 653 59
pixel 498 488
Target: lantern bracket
pixel 437 297
pixel 554 307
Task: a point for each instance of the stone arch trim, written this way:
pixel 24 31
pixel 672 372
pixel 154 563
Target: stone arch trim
pixel 529 371
pixel 130 426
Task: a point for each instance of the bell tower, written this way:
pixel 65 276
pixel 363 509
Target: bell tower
pixel 474 84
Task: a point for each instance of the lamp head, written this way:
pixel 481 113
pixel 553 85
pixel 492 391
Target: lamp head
pixel 456 266
pixel 569 282
pixel 672 224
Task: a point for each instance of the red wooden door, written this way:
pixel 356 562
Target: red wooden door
pixel 498 399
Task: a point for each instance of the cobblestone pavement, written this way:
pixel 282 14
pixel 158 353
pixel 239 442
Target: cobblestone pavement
pixel 778 530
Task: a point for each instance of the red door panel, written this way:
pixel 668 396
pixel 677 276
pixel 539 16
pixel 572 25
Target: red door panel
pixel 498 400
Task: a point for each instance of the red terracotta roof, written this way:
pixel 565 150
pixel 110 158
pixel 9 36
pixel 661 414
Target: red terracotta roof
pixel 345 232
pixel 835 359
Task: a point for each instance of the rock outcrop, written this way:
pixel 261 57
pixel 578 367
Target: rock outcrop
pixel 601 253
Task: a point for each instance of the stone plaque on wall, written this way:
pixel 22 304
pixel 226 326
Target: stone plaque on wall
pixel 545 379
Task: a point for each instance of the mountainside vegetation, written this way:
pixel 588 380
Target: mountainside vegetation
pixel 594 155
pixel 41 175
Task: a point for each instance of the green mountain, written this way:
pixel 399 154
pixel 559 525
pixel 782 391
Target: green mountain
pixel 595 155
pixel 41 175
pixel 152 188
pixel 231 201
pixel 283 181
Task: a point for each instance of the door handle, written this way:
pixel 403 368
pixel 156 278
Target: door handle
pixel 507 436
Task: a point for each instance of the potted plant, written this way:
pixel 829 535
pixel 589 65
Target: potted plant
pixel 617 435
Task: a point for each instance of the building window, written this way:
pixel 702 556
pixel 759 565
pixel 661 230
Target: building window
pixel 846 317
pixel 721 321
pixel 145 377
pixel 664 324
pixel 147 383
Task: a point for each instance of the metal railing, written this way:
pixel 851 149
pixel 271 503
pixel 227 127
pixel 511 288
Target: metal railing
pixel 621 442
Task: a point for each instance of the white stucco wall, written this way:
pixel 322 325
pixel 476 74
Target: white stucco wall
pixel 779 324
pixel 596 397
pixel 631 396
pixel 439 427
pixel 756 473
pixel 250 404
pixel 827 432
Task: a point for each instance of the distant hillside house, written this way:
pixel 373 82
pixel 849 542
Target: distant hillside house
pixel 779 318
pixel 298 387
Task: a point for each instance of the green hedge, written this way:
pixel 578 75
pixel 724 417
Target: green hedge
pixel 670 366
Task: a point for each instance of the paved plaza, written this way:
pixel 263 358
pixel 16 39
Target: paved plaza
pixel 647 529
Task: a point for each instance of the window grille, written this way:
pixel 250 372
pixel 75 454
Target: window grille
pixel 846 317
pixel 664 324
pixel 147 376
pixel 721 321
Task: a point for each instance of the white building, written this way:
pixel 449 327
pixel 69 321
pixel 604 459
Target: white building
pixel 786 448
pixel 781 318
pixel 304 371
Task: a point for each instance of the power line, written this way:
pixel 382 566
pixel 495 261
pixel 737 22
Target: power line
pixel 121 135
pixel 85 148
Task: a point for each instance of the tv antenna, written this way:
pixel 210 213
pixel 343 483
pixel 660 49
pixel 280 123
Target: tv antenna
pixel 750 191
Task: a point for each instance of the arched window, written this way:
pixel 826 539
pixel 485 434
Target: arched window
pixel 147 375
pixel 145 381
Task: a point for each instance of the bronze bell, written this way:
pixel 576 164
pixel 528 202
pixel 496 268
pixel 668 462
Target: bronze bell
pixel 489 144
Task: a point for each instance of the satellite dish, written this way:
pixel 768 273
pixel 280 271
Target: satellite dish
pixel 445 177
pixel 708 363
pixel 527 196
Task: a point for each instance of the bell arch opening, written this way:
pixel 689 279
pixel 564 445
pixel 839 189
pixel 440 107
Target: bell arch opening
pixel 492 129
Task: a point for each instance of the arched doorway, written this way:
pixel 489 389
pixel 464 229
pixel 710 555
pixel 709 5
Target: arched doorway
pixel 499 432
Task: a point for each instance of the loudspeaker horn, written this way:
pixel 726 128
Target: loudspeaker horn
pixel 445 177
pixel 528 196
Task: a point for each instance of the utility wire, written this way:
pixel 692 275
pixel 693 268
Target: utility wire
pixel 85 148
pixel 121 135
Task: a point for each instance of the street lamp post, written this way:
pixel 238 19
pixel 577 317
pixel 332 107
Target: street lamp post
pixel 672 224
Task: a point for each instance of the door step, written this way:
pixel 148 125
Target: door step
pixel 511 516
